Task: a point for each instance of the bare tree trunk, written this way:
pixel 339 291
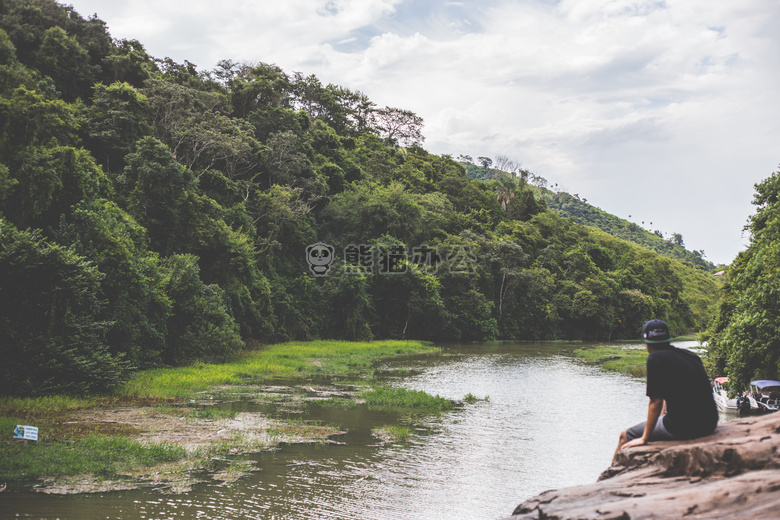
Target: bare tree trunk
pixel 501 296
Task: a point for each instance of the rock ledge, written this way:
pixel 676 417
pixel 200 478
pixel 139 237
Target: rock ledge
pixel 732 474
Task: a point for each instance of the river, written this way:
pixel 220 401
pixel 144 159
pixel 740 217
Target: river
pixel 544 420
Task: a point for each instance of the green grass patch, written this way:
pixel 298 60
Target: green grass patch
pixel 470 398
pixel 627 360
pixel 405 399
pixel 7 425
pixel 214 414
pixel 47 406
pixel 392 432
pixel 304 359
pixel 180 382
pixel 52 416
pixel 105 456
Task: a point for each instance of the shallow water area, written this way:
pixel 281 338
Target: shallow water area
pixel 542 419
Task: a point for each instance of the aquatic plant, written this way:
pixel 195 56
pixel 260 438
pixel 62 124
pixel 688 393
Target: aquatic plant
pixel 628 360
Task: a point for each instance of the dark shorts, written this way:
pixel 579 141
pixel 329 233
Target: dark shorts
pixel 660 433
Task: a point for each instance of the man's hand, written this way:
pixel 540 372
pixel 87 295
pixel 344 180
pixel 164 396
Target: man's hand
pixel 654 408
pixel 635 442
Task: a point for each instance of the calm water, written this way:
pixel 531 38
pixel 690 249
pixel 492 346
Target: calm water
pixel 550 422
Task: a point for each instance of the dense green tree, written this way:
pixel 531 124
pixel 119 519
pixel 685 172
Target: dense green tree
pixel 259 87
pixel 52 337
pixel 57 40
pixel 65 61
pixel 115 121
pixel 524 205
pixel 7 49
pixel 348 303
pixel 31 119
pixel 27 21
pixel 196 125
pixel 283 224
pixel 299 304
pixel 129 63
pixel 376 161
pixel 270 120
pixel 153 187
pixel 510 259
pixel 14 74
pixel 745 336
pixel 406 294
pixel 287 164
pixel 44 182
pixel 368 210
pixel 199 326
pixel 137 306
pixel 349 113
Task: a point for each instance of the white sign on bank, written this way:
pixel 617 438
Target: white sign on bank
pixel 28 433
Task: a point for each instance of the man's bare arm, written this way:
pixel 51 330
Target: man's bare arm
pixel 654 409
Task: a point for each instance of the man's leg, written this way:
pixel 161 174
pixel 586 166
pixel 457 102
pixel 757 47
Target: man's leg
pixel 635 431
pixel 660 433
pixel 621 441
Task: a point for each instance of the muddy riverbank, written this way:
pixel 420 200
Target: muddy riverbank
pixel 211 439
pixel 172 428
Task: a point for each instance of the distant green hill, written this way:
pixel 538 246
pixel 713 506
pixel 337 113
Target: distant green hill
pixel 583 213
pixel 571 206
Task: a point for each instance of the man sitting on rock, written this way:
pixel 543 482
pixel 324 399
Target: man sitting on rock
pixel 681 402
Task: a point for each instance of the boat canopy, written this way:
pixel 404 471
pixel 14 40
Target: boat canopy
pixel 722 380
pixel 764 383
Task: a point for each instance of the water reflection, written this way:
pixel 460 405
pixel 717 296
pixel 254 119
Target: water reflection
pixel 550 421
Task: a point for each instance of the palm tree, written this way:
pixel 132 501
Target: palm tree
pixel 506 188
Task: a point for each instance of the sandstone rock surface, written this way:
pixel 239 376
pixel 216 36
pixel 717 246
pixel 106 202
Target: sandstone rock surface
pixel 733 474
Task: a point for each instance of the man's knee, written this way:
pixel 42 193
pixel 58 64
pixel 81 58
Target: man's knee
pixel 623 437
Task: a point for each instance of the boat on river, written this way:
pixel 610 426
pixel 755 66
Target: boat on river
pixel 742 404
pixel 766 394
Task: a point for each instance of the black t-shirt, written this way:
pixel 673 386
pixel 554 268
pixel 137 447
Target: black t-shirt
pixel 678 375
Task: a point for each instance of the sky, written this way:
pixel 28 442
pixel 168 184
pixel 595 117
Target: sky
pixel 655 111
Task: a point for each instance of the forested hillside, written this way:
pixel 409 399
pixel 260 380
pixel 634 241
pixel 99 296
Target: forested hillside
pixel 745 336
pixel 154 214
pixel 578 209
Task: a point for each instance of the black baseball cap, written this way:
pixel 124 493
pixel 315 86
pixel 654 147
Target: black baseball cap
pixel 656 331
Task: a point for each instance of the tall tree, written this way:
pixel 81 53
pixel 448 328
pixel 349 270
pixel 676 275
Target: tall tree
pixel 154 187
pixel 115 121
pixel 399 126
pixel 62 58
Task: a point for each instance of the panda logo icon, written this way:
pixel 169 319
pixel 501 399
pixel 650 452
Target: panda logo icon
pixel 320 257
